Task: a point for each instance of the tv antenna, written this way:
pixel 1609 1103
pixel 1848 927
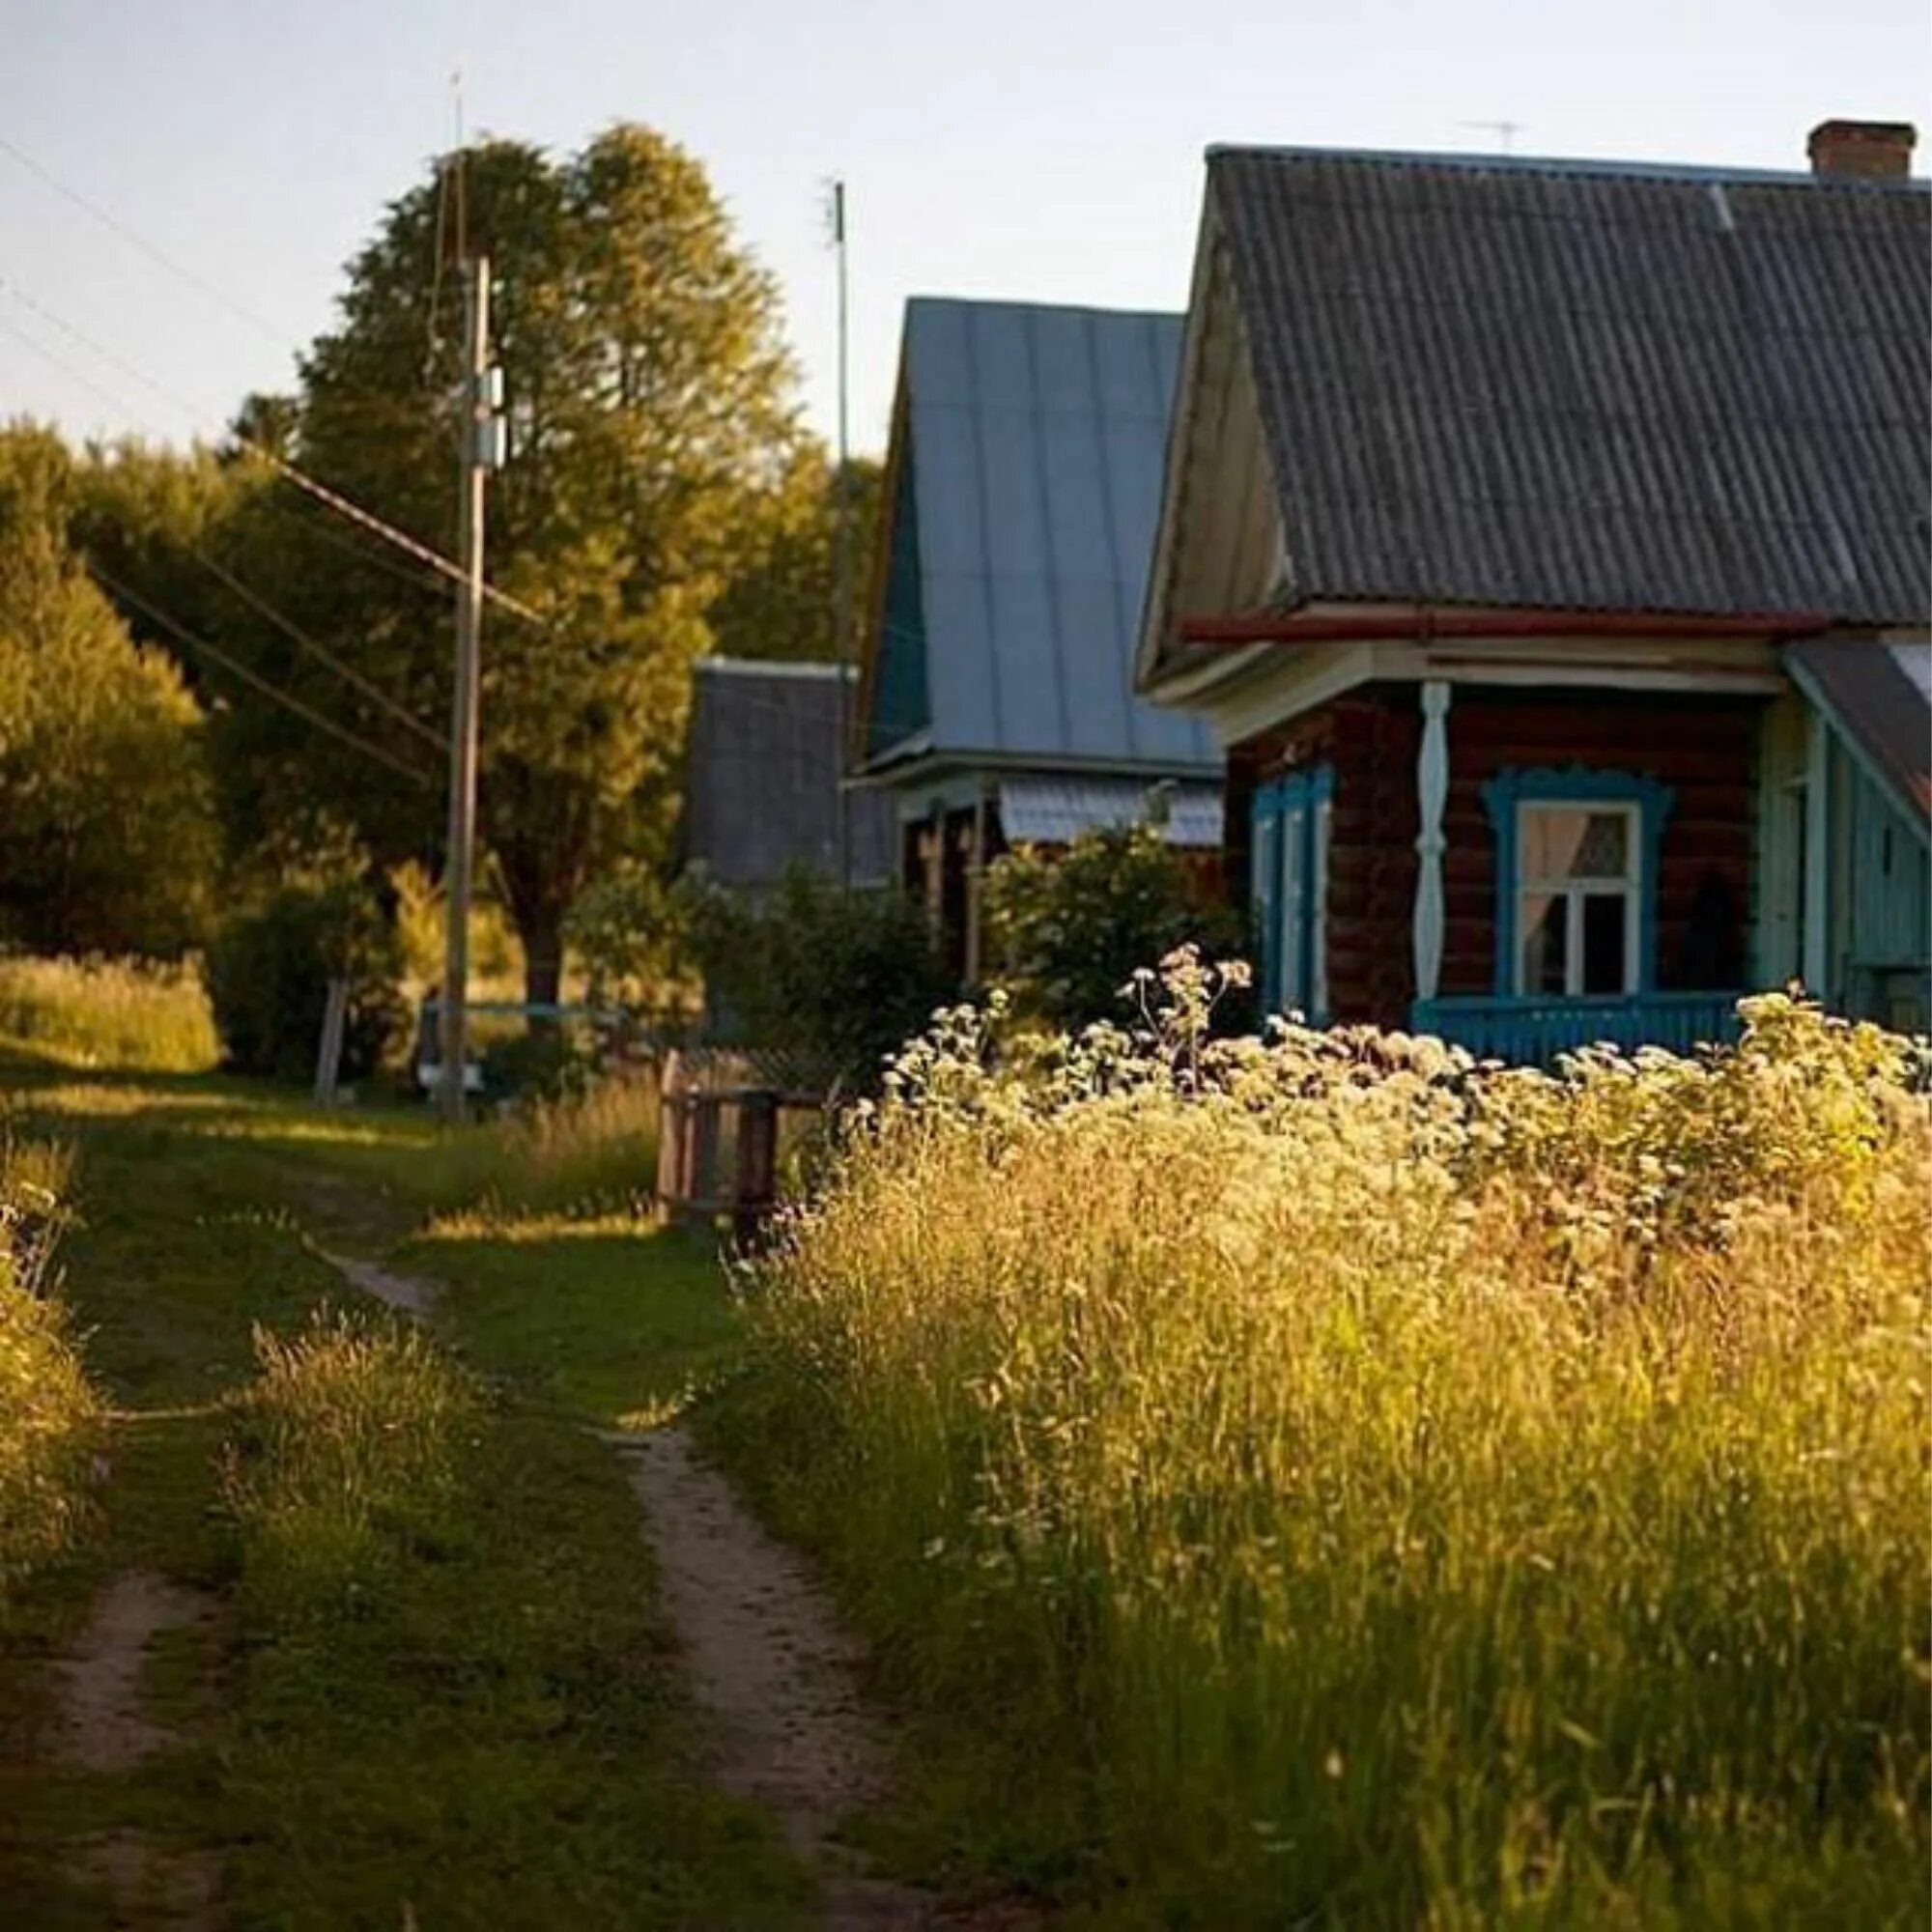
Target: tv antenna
pixel 1505 131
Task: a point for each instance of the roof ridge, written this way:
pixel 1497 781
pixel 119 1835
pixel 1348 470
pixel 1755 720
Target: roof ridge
pixel 1685 172
pixel 1024 304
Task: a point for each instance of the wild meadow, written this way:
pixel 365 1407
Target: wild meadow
pixel 127 1015
pixel 1321 1482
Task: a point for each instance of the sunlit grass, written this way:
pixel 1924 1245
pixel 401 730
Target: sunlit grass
pixel 51 1417
pixel 1326 1485
pixel 122 1014
pixel 344 1451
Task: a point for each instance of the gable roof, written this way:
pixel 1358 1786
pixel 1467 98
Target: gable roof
pixel 765 765
pixel 1573 386
pixel 1021 491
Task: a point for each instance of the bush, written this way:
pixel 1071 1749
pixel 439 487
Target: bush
pixel 1322 1483
pixel 1066 929
pixel 124 1013
pixel 269 970
pixel 840 978
pixel 51 1420
pixel 344 1454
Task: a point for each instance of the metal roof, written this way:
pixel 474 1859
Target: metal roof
pixel 1037 810
pixel 1587 385
pixel 765 761
pixel 1877 694
pixel 1023 486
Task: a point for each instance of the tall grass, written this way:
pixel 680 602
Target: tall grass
pixel 50 1416
pixel 591 1152
pixel 1326 1484
pixel 126 1014
pixel 344 1456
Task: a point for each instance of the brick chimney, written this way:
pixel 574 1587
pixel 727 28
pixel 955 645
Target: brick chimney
pixel 1863 150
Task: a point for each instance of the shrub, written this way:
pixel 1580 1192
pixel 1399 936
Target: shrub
pixel 1066 929
pixel 126 1013
pixel 268 970
pixel 51 1420
pixel 1321 1483
pixel 344 1453
pixel 835 976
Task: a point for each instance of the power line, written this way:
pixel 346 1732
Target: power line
pixel 321 652
pixel 180 273
pixel 334 499
pixel 275 693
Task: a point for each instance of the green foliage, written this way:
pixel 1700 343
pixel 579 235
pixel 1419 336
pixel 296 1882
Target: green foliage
pixel 52 1419
pixel 1319 1482
pixel 627 934
pixel 108 837
pixel 308 922
pixel 781 599
pixel 1067 929
pixel 133 1014
pixel 649 401
pixel 840 977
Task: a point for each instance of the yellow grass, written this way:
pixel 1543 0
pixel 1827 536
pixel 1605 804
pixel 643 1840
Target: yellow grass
pixel 125 1014
pixel 345 1451
pixel 50 1416
pixel 1324 1485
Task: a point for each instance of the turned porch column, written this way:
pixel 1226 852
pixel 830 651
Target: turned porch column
pixel 1431 792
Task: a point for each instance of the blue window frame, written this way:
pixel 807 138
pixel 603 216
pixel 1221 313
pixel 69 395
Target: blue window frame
pixel 1577 853
pixel 1289 889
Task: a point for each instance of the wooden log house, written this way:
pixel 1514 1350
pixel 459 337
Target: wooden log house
pixel 1546 543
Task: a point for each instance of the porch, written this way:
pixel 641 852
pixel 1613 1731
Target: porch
pixel 1533 1031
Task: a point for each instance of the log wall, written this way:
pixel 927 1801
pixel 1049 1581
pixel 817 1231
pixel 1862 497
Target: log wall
pixel 1703 748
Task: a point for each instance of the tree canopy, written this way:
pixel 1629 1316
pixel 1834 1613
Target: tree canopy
pixel 108 841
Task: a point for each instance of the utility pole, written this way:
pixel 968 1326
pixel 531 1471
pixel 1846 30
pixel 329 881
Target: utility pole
pixel 481 452
pixel 843 602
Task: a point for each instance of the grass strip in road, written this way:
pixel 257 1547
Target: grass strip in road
pixel 475 1714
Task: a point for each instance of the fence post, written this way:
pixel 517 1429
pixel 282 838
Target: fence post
pixel 328 1054
pixel 757 1159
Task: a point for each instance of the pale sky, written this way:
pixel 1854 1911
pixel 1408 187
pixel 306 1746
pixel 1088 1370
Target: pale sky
pixel 1045 150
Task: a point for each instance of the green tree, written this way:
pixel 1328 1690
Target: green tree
pixel 109 841
pixel 1067 929
pixel 650 399
pixel 781 597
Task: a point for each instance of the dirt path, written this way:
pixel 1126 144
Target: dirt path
pixel 774 1673
pixel 406 1294
pixel 106 1728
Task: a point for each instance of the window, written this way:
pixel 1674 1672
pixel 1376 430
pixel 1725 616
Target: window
pixel 1289 890
pixel 1577 899
pixel 1576 881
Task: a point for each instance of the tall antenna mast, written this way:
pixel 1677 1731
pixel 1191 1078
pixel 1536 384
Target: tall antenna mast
pixel 843 594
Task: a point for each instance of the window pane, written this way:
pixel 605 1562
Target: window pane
pixel 1289 954
pixel 1545 935
pixel 1267 872
pixel 1605 926
pixel 1573 843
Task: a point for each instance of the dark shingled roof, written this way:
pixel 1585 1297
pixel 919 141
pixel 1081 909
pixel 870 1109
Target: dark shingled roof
pixel 1586 385
pixel 762 795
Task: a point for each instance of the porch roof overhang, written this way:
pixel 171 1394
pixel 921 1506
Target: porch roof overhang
pixel 1876 695
pixel 1250 670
